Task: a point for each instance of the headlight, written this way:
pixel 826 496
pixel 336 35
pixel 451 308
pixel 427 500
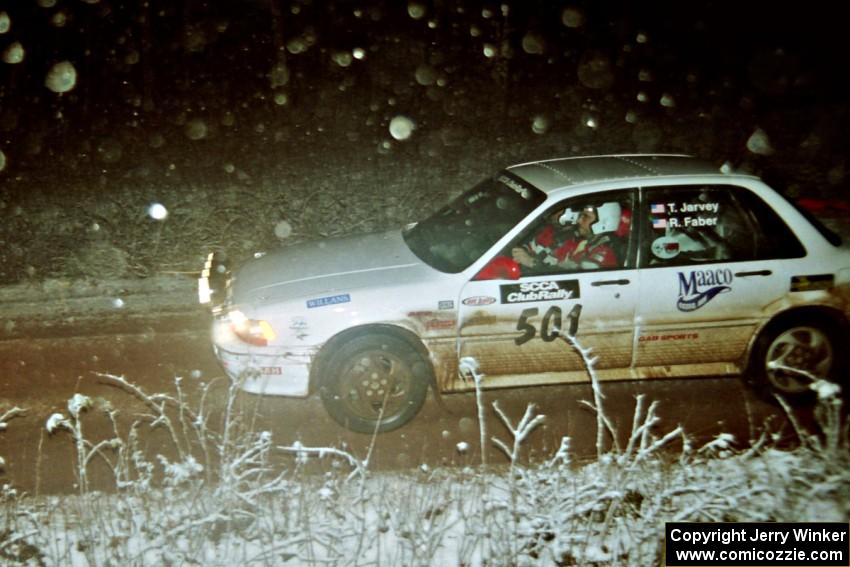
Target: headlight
pixel 213 283
pixel 204 291
pixel 252 331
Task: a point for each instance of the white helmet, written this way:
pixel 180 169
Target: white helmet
pixel 607 218
pixel 568 217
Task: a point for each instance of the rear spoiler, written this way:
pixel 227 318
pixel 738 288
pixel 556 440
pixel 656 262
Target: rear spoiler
pixel 825 207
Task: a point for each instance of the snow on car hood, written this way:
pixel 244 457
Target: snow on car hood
pixel 325 265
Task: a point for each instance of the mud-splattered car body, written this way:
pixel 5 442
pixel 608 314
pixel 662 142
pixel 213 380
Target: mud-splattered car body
pixel 715 272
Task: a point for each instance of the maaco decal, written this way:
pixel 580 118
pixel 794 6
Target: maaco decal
pixel 701 286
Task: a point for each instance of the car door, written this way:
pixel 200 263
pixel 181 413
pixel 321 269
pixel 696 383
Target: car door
pixel 712 258
pixel 512 326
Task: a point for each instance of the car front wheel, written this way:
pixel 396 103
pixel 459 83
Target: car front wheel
pixel 375 382
pixel 790 357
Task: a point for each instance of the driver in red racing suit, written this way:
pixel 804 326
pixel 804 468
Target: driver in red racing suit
pixel 588 245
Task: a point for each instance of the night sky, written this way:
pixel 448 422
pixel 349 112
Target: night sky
pixel 192 81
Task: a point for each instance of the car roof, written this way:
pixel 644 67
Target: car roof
pixel 552 174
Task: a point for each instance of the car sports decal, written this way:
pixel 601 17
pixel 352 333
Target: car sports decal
pixel 435 324
pixel 668 337
pixel 812 283
pixel 479 300
pixel 701 286
pixel 547 290
pixel 330 300
pixel 432 320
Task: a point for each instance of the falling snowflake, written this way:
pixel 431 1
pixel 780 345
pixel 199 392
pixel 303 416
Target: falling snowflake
pixel 157 211
pixel 595 70
pixel 14 53
pixel 196 129
pixel 572 17
pixel 61 78
pixel 426 75
pixel 283 230
pixel 402 127
pixel 533 43
pixel 416 10
pixel 540 124
pixel 343 58
pixel 759 143
pixel 667 100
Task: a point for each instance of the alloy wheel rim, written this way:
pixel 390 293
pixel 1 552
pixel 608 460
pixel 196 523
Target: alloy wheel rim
pixel 375 380
pixel 797 357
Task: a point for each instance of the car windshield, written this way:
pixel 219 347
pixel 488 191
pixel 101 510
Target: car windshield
pixel 454 237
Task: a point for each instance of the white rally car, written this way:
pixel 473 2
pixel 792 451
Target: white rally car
pixel 685 270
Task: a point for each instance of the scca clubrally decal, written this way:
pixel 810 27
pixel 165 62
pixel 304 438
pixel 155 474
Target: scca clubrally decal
pixel 549 290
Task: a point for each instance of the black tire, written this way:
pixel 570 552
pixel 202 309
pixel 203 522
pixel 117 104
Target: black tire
pixel 370 372
pixel 788 353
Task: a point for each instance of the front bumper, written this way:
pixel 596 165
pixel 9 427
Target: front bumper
pixel 277 370
pixel 286 374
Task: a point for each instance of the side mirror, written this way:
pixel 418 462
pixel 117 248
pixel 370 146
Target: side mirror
pixel 500 268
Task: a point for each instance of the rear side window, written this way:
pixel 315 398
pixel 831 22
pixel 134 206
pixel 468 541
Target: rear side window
pixel 774 240
pixel 687 225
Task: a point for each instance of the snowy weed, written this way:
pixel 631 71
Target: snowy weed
pixel 605 513
pixel 5 416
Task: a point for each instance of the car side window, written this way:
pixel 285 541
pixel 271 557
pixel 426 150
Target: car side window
pixel 576 235
pixel 774 239
pixel 686 225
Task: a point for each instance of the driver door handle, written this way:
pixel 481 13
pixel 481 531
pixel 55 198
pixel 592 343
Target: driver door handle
pixel 756 273
pixel 610 282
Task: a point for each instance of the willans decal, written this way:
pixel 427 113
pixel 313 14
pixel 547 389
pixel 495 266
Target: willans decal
pixel 331 300
pixel 701 286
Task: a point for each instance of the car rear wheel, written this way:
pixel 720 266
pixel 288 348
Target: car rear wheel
pixel 789 357
pixel 374 382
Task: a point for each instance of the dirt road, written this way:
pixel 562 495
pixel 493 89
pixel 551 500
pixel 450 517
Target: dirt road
pixel 42 374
